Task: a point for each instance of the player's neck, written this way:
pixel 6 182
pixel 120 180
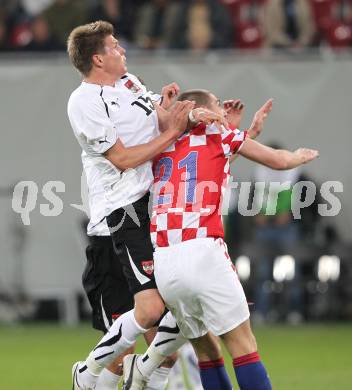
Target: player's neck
pixel 101 79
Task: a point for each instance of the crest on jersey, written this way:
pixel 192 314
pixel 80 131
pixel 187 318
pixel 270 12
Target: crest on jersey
pixel 148 266
pixel 132 86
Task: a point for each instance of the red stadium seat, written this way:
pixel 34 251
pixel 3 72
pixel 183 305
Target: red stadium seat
pixel 322 11
pixel 339 34
pixel 249 36
pixel 21 35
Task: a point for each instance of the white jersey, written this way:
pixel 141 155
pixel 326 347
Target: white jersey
pixel 99 116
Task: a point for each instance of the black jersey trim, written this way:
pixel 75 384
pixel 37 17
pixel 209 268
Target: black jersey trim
pixel 106 106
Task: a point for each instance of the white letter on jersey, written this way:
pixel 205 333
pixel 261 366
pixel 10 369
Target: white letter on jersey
pixel 57 204
pixel 334 201
pixel 29 205
pixel 296 202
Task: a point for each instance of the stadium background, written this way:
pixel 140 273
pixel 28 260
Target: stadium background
pixel 43 315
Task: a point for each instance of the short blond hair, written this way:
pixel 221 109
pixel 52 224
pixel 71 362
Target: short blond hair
pixel 85 41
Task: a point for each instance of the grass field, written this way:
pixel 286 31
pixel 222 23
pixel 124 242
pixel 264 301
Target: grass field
pixel 298 358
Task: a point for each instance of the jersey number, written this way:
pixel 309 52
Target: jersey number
pixel 145 103
pixel 190 163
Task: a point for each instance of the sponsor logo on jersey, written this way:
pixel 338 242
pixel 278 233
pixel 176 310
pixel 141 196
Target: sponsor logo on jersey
pixel 148 266
pixel 132 86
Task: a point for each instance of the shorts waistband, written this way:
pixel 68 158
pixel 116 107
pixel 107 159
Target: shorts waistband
pixel 187 242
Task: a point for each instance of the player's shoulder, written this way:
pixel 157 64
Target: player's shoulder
pixel 83 97
pixel 132 83
pixel 134 78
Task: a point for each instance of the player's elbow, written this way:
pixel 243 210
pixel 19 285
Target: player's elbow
pixel 121 159
pixel 123 163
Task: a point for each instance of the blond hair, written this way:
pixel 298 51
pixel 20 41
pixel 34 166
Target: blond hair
pixel 85 41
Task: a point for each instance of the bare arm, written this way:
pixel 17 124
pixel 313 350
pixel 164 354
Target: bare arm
pixel 168 95
pixel 278 159
pixel 163 117
pixel 130 157
pixel 200 114
pixel 257 123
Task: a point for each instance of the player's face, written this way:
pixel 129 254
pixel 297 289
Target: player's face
pixel 114 59
pixel 215 105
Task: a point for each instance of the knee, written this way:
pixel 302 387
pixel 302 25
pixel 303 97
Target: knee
pixel 148 311
pixel 154 311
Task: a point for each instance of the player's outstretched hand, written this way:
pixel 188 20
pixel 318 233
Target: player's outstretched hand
pixel 234 111
pixel 179 116
pixel 259 118
pixel 169 93
pixel 306 155
pixel 208 117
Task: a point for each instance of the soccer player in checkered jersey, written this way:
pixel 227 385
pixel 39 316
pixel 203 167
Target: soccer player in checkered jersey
pixel 193 270
pixel 117 126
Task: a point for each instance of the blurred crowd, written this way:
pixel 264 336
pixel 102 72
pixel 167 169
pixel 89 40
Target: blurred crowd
pixel 43 25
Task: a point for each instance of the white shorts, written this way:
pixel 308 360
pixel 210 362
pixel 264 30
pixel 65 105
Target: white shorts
pixel 200 287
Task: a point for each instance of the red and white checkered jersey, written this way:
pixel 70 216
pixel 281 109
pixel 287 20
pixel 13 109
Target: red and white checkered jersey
pixel 190 178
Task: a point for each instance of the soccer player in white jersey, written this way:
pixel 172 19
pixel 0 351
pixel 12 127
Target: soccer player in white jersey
pixel 193 270
pixel 107 289
pixel 117 125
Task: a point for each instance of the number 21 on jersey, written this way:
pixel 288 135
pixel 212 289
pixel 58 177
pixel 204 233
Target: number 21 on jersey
pixel 187 164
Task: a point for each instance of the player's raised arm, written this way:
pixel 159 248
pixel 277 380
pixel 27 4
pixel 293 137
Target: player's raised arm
pixel 278 159
pixel 257 123
pixel 169 94
pixel 130 157
pixel 258 120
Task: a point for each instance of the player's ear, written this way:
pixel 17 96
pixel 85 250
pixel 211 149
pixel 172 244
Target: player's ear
pixel 97 60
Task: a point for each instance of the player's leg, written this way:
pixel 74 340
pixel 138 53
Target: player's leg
pixel 187 362
pixel 115 299
pixel 111 375
pixel 159 378
pixel 109 296
pixel 226 313
pixel 130 231
pixel 131 238
pixel 180 291
pixel 211 363
pixel 138 369
pixel 250 371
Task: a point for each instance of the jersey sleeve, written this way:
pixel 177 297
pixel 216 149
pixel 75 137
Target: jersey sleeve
pixel 93 126
pixel 232 141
